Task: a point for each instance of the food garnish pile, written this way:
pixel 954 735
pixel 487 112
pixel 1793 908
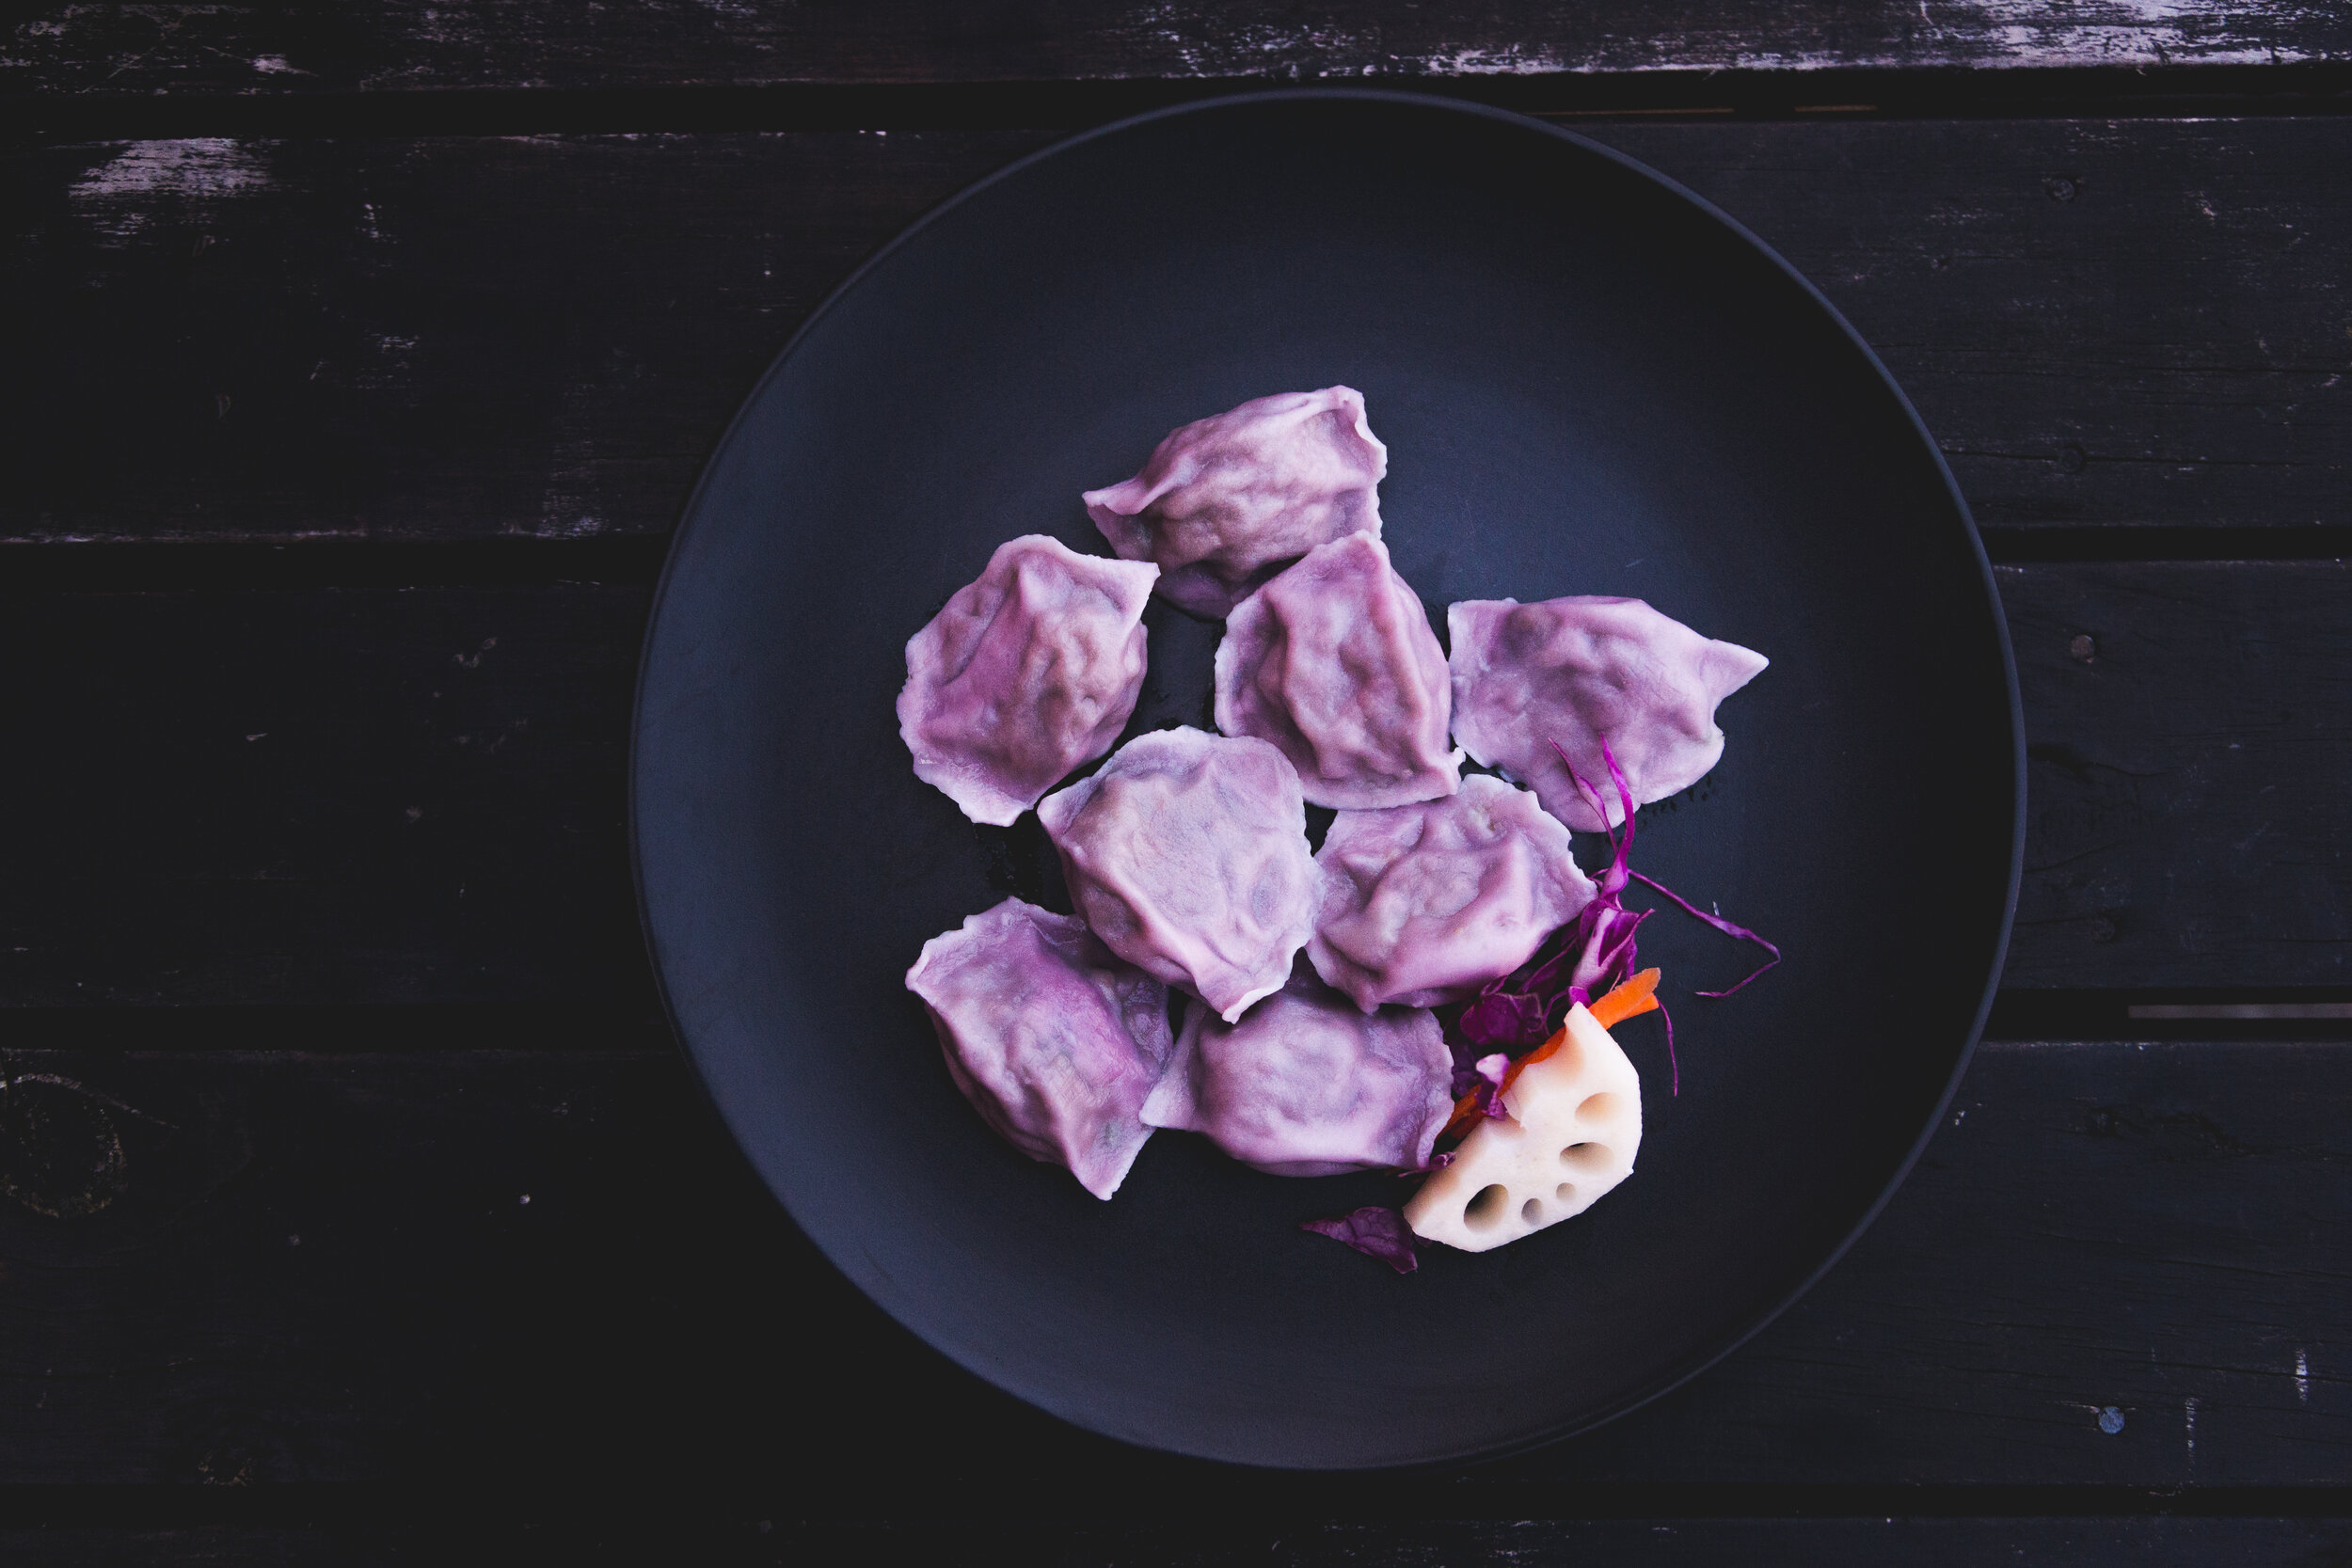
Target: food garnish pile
pixel 1433 990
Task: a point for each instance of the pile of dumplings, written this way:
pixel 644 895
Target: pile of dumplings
pixel 1308 1044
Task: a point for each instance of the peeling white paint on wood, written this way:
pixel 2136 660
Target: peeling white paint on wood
pixel 2046 34
pixel 2127 32
pixel 572 503
pixel 122 196
pixel 118 46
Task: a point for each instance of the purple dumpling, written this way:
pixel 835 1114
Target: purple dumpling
pixel 1572 672
pixel 1224 503
pixel 1333 661
pixel 1423 904
pixel 1306 1085
pixel 1188 854
pixel 1055 1041
pixel 1028 673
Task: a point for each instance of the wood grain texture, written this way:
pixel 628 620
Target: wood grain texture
pixel 250 1269
pixel 417 796
pixel 420 338
pixel 2190 818
pixel 382 796
pixel 488 1250
pixel 2104 322
pixel 282 46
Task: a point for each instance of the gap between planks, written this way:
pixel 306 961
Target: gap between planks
pixel 2308 88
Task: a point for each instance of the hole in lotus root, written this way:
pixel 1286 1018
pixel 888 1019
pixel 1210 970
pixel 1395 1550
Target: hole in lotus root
pixel 1485 1209
pixel 1597 1107
pixel 1565 1192
pixel 1585 1156
pixel 1531 1210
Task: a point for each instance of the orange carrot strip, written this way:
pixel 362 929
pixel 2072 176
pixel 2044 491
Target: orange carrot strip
pixel 1464 1119
pixel 1638 995
pixel 1557 1040
pixel 1646 1005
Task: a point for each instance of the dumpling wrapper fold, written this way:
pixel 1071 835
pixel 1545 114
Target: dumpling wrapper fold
pixel 1053 1040
pixel 1333 661
pixel 1030 672
pixel 1225 503
pixel 1572 670
pixel 1423 904
pixel 1306 1085
pixel 1186 854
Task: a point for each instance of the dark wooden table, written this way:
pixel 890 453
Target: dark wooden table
pixel 357 1207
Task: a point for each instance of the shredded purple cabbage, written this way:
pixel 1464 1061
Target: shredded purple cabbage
pixel 1584 959
pixel 1725 927
pixel 1575 963
pixel 1373 1230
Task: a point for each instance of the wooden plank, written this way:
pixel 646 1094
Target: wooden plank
pixel 384 796
pixel 115 46
pixel 2105 323
pixel 2191 813
pixel 417 796
pixel 419 339
pixel 1665 1542
pixel 275 1268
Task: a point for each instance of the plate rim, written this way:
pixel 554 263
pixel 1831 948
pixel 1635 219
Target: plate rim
pixel 1709 1356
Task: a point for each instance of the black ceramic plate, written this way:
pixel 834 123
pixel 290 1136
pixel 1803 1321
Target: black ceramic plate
pixel 1589 382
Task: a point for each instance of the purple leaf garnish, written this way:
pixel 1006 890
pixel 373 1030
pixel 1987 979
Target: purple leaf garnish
pixel 1373 1230
pixel 1504 1017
